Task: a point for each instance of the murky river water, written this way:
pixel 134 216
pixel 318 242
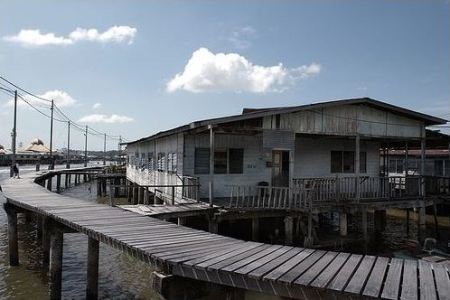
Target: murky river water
pixel 120 276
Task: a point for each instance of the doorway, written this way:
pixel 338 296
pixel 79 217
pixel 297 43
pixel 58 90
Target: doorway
pixel 280 168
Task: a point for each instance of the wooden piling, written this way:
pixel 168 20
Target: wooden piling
pixel 343 225
pixel 58 183
pixel 288 230
pixel 56 255
pixel 213 226
pixel 49 184
pixel 12 235
pixel 407 222
pixel 92 270
pixel 45 242
pixel 255 229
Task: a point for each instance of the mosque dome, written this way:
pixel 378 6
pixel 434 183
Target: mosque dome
pixel 37 141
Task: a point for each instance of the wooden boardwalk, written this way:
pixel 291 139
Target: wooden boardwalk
pixel 274 269
pixel 169 211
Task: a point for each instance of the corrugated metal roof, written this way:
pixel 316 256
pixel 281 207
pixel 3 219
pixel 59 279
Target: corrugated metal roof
pixel 252 113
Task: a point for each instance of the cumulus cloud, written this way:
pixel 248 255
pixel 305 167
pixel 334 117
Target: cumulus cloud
pixel 34 37
pixel 60 98
pixel 101 118
pixel 206 71
pixel 96 105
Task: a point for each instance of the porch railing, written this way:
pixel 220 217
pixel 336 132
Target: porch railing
pixel 309 192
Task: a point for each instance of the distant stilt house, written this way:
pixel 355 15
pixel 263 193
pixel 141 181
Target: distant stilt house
pixel 405 158
pixel 291 157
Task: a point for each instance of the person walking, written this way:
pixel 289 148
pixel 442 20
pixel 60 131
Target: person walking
pixel 16 170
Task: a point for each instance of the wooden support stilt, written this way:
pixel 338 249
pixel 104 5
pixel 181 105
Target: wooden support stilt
pixel 181 221
pixel 309 241
pixel 255 229
pixel 45 242
pixel 436 224
pixel 99 187
pixel 343 224
pixel 92 270
pixel 364 225
pixel 288 230
pixel 213 226
pixel 49 184
pixel 13 245
pixel 407 222
pixel 58 183
pixel 38 220
pixel 422 223
pixel 146 200
pixel 66 181
pixel 56 255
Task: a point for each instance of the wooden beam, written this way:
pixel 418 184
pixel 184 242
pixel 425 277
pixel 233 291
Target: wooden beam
pixel 56 256
pixel 92 269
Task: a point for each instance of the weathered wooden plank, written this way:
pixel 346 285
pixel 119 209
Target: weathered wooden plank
pixel 442 281
pixel 271 265
pixel 302 267
pixel 392 283
pixel 316 268
pixel 262 261
pixel 346 272
pixel 375 281
pixel 331 270
pixel 409 283
pixel 356 283
pixel 288 265
pixel 427 288
pixel 240 263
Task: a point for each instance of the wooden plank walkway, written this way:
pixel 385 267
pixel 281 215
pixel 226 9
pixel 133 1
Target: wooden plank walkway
pixel 169 211
pixel 280 270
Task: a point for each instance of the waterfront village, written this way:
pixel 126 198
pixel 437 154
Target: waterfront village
pixel 292 201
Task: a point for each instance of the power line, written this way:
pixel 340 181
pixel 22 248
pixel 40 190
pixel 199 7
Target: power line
pixel 63 116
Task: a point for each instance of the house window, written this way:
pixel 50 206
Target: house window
pixel 161 162
pixel 174 162
pixel 236 161
pixel 344 162
pixel 201 163
pixel 220 161
pixel 277 121
pixel 169 162
pixel 226 161
pixel 150 162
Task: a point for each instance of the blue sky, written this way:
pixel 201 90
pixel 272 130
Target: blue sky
pixel 394 51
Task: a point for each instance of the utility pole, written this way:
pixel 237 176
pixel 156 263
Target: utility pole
pixel 68 145
pixel 14 135
pixel 120 149
pixel 104 150
pixel 85 147
pixel 52 165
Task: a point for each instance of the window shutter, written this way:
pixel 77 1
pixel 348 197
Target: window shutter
pixel 201 164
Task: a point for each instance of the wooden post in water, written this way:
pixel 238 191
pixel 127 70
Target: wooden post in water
pixel 407 222
pixel 66 180
pixel 146 200
pixel 255 229
pixel 343 225
pixel 45 242
pixel 422 223
pixel 92 269
pixel 288 230
pixel 56 255
pixel 436 224
pixel 58 183
pixel 364 225
pixel 49 183
pixel 12 235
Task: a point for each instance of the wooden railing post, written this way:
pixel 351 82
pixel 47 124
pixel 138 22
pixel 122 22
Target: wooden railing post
pixel 173 195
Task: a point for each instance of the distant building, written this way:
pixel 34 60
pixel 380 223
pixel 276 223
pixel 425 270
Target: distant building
pixel 31 154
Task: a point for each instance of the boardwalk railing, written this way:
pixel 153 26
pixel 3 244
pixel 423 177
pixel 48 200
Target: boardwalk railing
pixel 308 192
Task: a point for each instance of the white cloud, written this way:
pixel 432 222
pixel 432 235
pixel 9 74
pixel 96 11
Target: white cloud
pixel 100 118
pixel 96 105
pixel 206 71
pixel 242 37
pixel 60 98
pixel 34 38
pixel 116 34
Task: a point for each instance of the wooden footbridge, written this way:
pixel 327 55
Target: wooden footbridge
pixel 183 252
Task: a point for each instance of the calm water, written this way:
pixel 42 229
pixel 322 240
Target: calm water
pixel 121 276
